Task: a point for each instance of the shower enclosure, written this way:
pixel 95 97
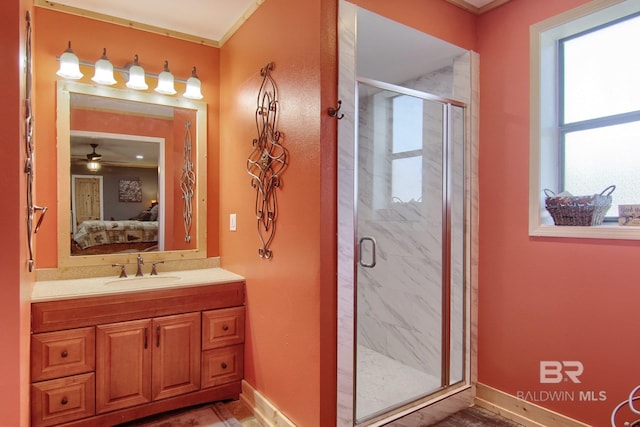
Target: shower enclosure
pixel 410 223
pixel 404 237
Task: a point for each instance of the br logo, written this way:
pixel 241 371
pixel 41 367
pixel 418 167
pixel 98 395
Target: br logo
pixel 554 371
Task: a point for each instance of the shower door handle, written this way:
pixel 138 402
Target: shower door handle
pixel 373 252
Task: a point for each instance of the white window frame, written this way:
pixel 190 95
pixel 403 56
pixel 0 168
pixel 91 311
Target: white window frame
pixel 544 138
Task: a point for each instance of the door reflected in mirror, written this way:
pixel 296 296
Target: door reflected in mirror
pixel 122 153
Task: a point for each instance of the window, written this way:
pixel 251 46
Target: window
pixel 585 116
pixel 406 149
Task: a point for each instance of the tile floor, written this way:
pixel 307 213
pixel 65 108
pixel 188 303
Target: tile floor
pixel 242 413
pixel 475 417
pixel 471 417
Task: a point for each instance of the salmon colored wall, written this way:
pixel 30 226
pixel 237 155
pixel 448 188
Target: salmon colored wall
pixel 15 286
pixel 52 31
pixel 290 340
pixel 542 299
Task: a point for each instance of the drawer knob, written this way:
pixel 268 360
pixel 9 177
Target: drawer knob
pixel 64 353
pixel 223 365
pixel 225 327
pixel 64 400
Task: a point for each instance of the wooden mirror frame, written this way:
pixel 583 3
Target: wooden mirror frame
pixel 199 135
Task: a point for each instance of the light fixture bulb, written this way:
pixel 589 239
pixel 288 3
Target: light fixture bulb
pixel 165 81
pixel 136 76
pixel 93 165
pixel 104 70
pixel 193 86
pixel 69 65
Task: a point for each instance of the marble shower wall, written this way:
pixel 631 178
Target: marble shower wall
pixel 400 300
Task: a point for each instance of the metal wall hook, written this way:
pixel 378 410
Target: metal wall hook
pixel 333 112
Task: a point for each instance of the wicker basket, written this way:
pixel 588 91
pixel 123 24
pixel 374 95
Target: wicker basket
pixel 578 210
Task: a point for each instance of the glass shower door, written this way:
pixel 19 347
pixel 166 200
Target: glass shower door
pixel 407 298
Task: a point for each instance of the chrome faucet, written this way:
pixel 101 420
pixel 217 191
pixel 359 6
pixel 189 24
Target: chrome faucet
pixel 140 263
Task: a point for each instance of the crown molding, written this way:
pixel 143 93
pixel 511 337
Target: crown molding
pixel 477 10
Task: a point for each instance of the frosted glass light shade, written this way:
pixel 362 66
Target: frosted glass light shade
pixel 104 71
pixel 69 65
pixel 93 165
pixel 136 76
pixel 193 86
pixel 165 81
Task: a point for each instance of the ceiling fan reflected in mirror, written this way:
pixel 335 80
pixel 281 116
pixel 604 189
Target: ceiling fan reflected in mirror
pixel 93 159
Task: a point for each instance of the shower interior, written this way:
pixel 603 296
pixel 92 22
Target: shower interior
pixel 410 337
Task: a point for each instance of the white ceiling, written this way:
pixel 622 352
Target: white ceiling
pixel 478 3
pixel 213 21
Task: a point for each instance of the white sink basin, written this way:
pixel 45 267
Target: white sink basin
pixel 144 280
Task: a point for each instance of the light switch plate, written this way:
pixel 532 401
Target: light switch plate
pixel 232 222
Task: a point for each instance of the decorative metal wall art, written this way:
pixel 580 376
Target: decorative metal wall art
pixel 267 161
pixel 32 208
pixel 187 182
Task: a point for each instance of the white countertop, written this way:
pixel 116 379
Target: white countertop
pixel 101 286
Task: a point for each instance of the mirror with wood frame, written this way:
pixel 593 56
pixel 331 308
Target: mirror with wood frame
pixel 121 160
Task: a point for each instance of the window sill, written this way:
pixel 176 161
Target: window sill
pixel 605 231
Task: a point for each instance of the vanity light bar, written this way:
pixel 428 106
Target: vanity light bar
pixel 133 74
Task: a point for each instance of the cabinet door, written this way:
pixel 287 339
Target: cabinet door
pixel 176 355
pixel 123 365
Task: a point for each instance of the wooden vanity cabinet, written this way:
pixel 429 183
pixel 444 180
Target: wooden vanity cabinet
pixel 144 360
pixel 122 357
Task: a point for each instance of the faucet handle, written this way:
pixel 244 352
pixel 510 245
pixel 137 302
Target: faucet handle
pixel 122 272
pixel 154 271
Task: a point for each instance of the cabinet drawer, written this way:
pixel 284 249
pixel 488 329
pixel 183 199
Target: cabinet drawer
pixel 221 328
pixel 222 365
pixel 65 399
pixel 63 353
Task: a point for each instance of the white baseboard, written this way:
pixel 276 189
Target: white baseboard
pixel 521 411
pixel 264 411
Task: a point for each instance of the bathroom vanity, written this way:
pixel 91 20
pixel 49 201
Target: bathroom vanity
pixel 114 350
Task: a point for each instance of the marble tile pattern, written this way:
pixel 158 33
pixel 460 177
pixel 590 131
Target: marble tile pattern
pixel 389 382
pixel 346 209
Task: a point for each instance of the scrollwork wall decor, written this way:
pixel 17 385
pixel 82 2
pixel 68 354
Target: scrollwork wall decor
pixel 187 182
pixel 267 161
pixel 32 208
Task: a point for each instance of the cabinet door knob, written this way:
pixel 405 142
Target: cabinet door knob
pixel 225 327
pixel 64 353
pixel 64 400
pixel 223 365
